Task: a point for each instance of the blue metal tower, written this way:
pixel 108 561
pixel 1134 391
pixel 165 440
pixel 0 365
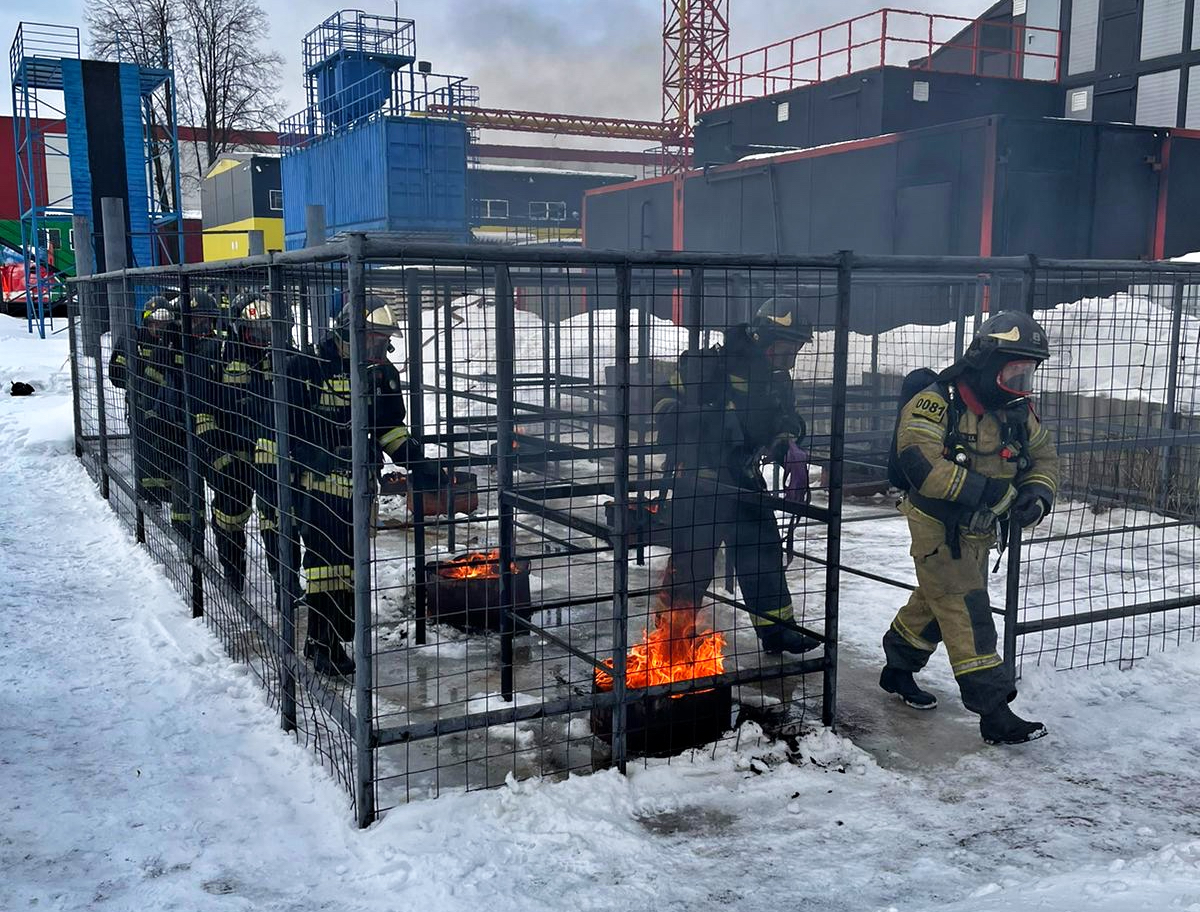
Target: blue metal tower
pixel 52 89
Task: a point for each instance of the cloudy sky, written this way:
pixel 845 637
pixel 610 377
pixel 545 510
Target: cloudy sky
pixel 574 56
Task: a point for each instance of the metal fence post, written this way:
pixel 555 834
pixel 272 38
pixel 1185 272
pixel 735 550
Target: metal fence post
pixel 1170 420
pixel 621 517
pixel 89 328
pixel 287 589
pixel 361 395
pixel 505 354
pixel 837 446
pixel 195 542
pixel 447 320
pixel 416 421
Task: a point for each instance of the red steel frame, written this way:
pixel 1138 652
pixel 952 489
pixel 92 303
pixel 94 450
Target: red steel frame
pixel 868 41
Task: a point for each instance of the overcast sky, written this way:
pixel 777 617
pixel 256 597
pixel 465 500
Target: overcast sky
pixel 573 56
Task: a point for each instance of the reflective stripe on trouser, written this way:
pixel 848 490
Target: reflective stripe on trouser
pixel 230 476
pixel 327 528
pixel 703 517
pixel 950 605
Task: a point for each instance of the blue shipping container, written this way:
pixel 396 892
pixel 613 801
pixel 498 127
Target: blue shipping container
pixel 406 175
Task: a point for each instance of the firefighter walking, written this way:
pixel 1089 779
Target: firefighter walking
pixel 976 458
pixel 726 409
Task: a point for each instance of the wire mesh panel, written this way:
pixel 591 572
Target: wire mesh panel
pixel 1113 577
pixel 477 512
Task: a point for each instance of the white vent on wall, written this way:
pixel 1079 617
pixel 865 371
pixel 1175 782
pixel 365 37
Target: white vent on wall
pixel 920 91
pixel 1018 8
pixel 783 111
pixel 1079 101
pixel 1162 28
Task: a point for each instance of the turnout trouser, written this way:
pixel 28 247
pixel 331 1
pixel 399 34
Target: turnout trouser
pixel 326 514
pixel 704 515
pixel 950 605
pixel 231 478
pixel 266 495
pixel 160 454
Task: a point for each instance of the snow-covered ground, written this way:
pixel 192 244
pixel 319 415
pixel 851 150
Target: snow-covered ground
pixel 141 769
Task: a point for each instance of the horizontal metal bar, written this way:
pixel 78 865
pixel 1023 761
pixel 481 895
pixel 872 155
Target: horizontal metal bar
pixel 325 253
pixel 966 266
pixel 584 702
pixel 1106 614
pixel 1133 266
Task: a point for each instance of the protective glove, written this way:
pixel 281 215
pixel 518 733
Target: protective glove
pixel 998 497
pixel 426 475
pixel 1030 508
pixel 796 488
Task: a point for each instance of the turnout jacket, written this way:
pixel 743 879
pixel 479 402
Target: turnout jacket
pixel 233 396
pixel 949 445
pixel 726 407
pixel 318 386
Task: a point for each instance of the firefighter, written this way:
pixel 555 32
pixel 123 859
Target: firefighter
pixel 726 409
pixel 321 438
pixel 251 334
pixel 976 458
pixel 154 405
pixel 226 430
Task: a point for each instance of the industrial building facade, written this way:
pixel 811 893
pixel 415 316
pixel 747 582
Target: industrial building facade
pixel 929 159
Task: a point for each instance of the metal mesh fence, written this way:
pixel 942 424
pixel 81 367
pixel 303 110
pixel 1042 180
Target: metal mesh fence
pixel 473 512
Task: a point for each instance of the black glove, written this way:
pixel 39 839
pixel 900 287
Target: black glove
pixel 1030 508
pixel 998 496
pixel 425 475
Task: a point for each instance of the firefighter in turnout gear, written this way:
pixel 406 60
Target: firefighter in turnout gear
pixel 976 458
pixel 320 431
pixel 251 338
pixel 724 410
pixel 154 404
pixel 226 429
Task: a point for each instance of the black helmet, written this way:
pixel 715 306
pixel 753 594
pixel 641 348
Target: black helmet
pixel 1012 334
pixel 204 305
pixel 780 320
pixel 1003 356
pixel 159 311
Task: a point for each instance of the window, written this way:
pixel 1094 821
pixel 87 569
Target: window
pixel 547 212
pixel 71 237
pixel 1085 20
pixel 277 200
pixel 493 209
pixel 1158 99
pixel 1162 28
pixel 50 237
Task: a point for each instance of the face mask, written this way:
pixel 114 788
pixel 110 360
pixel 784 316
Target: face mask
pixel 782 355
pixel 1016 377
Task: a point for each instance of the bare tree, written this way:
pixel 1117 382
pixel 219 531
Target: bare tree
pixel 140 31
pixel 232 81
pixel 224 81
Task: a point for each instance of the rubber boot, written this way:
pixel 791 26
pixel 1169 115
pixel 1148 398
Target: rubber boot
pixel 327 655
pixel 1003 726
pixel 231 551
pixel 901 683
pixel 777 639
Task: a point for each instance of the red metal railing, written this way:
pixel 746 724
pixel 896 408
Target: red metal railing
pixel 895 37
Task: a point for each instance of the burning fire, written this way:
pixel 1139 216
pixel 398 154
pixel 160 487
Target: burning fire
pixel 673 651
pixel 473 565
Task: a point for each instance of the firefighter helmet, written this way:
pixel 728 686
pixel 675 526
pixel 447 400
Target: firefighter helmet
pixel 1010 334
pixel 253 321
pixel 159 310
pixel 380 318
pixel 780 320
pixel 204 305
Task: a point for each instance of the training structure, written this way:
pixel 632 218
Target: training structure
pixel 118 120
pixel 368 147
pixel 241 193
pixel 508 618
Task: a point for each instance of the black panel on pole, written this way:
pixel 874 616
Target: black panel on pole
pixel 105 137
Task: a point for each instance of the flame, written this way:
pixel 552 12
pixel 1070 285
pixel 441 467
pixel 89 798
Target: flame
pixel 673 651
pixel 473 565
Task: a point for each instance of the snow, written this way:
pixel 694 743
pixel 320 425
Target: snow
pixel 142 768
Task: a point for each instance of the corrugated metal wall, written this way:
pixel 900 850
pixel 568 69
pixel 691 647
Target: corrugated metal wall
pixel 1162 28
pixel 406 175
